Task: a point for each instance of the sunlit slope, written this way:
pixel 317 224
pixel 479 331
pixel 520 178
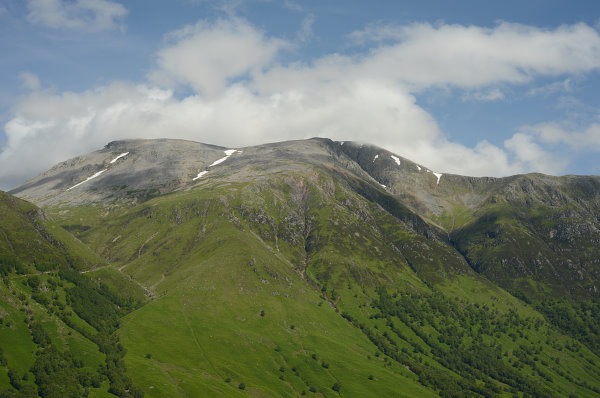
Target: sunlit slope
pixel 251 279
pixel 28 237
pixel 55 296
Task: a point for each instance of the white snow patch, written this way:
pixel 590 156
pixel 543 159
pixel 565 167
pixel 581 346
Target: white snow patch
pixel 396 159
pixel 87 179
pixel 200 175
pixel 228 153
pixel 119 157
pixel 342 143
pixel 438 175
pixel 418 167
pixel 376 156
pixel 383 185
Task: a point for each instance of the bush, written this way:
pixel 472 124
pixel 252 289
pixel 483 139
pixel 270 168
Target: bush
pixel 33 282
pixel 336 386
pixel 242 386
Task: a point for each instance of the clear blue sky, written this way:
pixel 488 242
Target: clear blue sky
pixel 470 87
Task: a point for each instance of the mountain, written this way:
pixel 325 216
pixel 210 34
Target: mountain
pixel 329 268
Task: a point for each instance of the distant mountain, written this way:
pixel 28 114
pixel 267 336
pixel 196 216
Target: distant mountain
pixel 334 268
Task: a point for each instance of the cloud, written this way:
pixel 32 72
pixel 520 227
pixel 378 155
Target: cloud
pixel 241 94
pixel 30 81
pixel 424 55
pixel 305 33
pixel 586 139
pixel 533 156
pixel 292 5
pixel 84 15
pixel 208 56
pixel 489 95
pixel 565 85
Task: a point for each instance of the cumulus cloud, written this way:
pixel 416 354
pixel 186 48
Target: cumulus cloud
pixel 241 95
pixel 85 15
pixel 208 56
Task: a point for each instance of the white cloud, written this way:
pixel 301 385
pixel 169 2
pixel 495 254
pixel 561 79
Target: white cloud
pixel 85 15
pixel 30 81
pixel 208 56
pixel 470 56
pixel 533 156
pixel 587 139
pixel 244 97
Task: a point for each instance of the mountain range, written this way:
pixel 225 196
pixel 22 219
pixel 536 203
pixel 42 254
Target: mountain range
pixel 311 267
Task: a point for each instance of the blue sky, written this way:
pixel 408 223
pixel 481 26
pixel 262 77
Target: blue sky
pixel 470 87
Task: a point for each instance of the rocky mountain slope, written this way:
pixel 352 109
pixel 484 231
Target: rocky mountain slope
pixel 333 268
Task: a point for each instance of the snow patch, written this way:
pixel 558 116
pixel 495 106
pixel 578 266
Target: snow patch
pixel 342 143
pixel 396 159
pixel 383 185
pixel 87 179
pixel 200 175
pixel 376 156
pixel 119 157
pixel 228 153
pixel 418 167
pixel 438 175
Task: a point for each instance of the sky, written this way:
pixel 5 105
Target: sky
pixel 476 88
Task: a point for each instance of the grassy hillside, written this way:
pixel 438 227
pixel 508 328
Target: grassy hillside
pixel 58 316
pixel 315 283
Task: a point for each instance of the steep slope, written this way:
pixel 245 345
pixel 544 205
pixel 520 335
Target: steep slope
pixel 288 269
pixel 58 307
pixel 535 235
pixel 539 229
pixel 28 236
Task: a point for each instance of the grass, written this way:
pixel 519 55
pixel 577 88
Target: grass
pixel 274 289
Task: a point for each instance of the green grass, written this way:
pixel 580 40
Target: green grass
pixel 276 287
pixel 216 256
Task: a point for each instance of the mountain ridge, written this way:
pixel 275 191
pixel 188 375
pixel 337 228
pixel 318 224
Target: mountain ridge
pixel 290 269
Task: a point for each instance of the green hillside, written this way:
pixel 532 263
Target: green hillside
pixel 58 314
pixel 251 280
pixel 293 271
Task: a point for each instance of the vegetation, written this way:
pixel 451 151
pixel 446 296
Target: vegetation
pixel 311 281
